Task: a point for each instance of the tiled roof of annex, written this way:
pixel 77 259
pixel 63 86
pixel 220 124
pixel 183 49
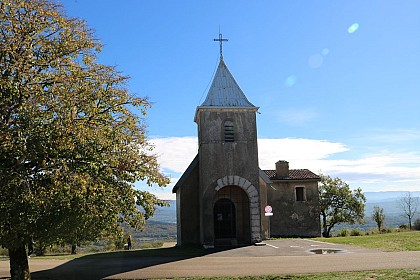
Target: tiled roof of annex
pixel 294 174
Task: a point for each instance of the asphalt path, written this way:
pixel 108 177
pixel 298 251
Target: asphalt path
pixel 277 257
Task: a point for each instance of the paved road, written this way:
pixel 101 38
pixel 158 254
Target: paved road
pixel 277 257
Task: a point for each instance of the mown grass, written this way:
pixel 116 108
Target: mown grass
pixel 393 242
pixel 397 241
pixel 410 274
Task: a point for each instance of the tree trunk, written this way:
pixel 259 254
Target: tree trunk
pixel 329 232
pixel 19 268
pixel 324 224
pixel 73 249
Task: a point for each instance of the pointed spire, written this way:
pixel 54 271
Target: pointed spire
pixel 225 91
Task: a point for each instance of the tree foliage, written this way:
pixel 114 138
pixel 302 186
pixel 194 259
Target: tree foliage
pixel 71 139
pixel 378 216
pixel 339 204
pixel 409 205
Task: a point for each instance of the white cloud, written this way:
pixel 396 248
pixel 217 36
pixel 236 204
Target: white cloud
pixel 175 153
pixel 300 153
pixel 380 171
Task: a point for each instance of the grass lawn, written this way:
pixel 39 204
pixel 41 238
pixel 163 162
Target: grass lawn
pixel 410 274
pixel 398 241
pixel 393 242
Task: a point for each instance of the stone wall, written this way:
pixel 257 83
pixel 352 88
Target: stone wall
pixel 188 214
pixel 292 218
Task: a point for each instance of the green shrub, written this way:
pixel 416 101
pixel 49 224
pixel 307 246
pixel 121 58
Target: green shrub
pixel 157 244
pixel 372 231
pixel 4 252
pixel 356 232
pixel 386 230
pixel 146 245
pixel 149 245
pixel 416 225
pixel 403 226
pixel 343 232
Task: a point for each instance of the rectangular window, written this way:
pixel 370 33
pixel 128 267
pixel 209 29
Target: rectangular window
pixel 300 194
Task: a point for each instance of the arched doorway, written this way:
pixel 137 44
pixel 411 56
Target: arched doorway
pixel 224 219
pixel 231 217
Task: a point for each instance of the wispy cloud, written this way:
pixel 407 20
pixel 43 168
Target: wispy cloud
pixel 175 153
pixel 393 136
pixel 295 116
pixel 379 171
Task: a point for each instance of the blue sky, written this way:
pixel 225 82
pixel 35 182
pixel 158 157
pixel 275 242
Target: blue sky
pixel 337 82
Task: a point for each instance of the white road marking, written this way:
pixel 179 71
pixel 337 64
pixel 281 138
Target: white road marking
pixel 275 247
pixel 320 242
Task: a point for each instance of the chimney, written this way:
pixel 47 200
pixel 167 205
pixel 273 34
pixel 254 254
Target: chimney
pixel 282 169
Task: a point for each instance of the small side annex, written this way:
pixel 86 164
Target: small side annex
pixel 294 198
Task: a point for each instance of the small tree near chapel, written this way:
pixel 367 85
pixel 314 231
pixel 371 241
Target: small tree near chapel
pixel 378 216
pixel 339 204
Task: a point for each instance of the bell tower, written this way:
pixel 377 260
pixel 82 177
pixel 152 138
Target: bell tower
pixel 228 163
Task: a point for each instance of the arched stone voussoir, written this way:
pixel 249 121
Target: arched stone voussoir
pixel 243 183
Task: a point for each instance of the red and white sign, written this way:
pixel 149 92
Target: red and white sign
pixel 268 209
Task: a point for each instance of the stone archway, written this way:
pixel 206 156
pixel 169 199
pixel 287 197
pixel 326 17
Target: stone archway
pixel 254 202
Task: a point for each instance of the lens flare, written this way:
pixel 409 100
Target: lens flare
pixel 290 81
pixel 315 60
pixel 353 28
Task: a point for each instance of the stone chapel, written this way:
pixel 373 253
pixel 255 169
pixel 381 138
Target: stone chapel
pixel 222 196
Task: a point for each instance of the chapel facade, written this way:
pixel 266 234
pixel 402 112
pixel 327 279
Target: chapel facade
pixel 222 195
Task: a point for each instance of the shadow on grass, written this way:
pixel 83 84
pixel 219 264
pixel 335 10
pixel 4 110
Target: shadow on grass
pixel 101 265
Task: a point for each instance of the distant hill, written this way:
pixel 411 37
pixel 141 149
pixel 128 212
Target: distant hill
pixel 387 196
pixel 165 214
pixel 388 200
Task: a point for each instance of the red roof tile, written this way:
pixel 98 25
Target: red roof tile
pixel 294 174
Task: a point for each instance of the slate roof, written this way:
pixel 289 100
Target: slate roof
pixel 225 91
pixel 294 174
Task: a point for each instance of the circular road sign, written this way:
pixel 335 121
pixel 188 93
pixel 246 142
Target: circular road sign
pixel 268 209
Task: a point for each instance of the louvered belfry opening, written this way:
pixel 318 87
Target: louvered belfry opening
pixel 229 133
pixel 231 217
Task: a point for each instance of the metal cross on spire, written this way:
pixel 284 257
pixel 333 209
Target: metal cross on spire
pixel 221 40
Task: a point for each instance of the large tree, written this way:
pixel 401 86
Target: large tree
pixel 339 204
pixel 72 138
pixel 409 205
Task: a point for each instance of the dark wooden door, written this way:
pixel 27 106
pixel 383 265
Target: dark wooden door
pixel 224 219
